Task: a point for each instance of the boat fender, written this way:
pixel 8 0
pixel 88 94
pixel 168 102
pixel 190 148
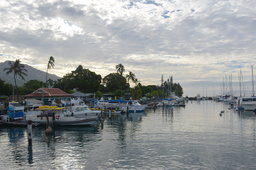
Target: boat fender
pixel 57 117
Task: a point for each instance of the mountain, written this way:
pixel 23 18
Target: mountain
pixel 33 74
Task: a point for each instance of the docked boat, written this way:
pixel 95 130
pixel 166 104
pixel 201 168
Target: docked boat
pixel 174 102
pixel 15 115
pixel 246 103
pixel 76 116
pixel 133 106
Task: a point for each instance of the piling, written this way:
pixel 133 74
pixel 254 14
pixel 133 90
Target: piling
pixel 109 114
pixel 127 111
pixel 29 131
pixel 49 129
pixel 30 148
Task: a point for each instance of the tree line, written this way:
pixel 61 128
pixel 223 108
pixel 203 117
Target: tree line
pixel 82 79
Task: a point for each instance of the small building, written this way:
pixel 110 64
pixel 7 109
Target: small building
pixel 47 95
pixel 83 96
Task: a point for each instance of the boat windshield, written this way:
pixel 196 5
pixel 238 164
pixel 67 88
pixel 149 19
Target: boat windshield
pixel 249 99
pixel 79 109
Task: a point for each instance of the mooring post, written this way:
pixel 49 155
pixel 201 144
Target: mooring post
pixel 154 107
pixel 127 111
pixel 109 114
pixel 29 131
pixel 48 126
pixel 102 122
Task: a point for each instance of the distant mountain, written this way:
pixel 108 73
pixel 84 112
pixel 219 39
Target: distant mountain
pixel 33 74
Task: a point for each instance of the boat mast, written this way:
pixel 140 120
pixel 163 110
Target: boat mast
pixel 240 83
pixel 252 82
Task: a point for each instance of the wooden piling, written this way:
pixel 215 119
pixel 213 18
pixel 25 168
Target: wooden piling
pixel 109 114
pixel 29 131
pixel 48 126
pixel 127 111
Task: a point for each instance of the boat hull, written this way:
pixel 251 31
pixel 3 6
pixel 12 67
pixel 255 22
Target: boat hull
pixel 22 123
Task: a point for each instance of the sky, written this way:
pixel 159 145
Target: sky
pixel 198 42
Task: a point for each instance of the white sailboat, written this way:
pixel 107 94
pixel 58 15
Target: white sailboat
pixel 247 103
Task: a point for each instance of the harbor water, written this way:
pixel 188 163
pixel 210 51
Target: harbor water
pixel 193 137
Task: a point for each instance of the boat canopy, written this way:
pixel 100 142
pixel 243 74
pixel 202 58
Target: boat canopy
pixel 50 108
pixel 117 101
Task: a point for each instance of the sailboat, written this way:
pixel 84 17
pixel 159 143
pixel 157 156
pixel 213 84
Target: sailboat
pixel 247 103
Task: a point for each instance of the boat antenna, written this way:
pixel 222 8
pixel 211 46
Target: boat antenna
pixel 252 82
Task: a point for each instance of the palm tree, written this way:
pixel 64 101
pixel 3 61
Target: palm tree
pixel 49 66
pixel 17 69
pixel 120 69
pixel 131 76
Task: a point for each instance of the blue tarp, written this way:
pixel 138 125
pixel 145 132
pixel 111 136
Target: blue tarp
pixel 169 99
pixel 15 115
pixel 117 101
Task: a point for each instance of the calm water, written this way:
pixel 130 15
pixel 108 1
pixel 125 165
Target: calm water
pixel 194 137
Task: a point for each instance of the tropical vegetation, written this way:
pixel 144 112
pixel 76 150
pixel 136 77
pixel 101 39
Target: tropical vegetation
pixel 17 69
pixel 50 65
pixel 82 79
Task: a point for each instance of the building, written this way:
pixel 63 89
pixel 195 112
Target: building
pixel 47 95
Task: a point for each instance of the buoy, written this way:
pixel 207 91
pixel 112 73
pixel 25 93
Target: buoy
pixel 49 130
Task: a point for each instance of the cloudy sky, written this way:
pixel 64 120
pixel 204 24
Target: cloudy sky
pixel 197 42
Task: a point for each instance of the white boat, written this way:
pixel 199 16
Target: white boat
pixel 246 103
pixel 133 106
pixel 15 112
pixel 76 116
pixel 174 102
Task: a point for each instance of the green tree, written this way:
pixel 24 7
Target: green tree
pixel 120 69
pixel 6 89
pixel 31 86
pixel 17 69
pixel 119 93
pixel 115 81
pixel 131 76
pixel 136 92
pixel 147 89
pixel 177 89
pixel 50 65
pixel 99 94
pixel 82 79
pixel 50 83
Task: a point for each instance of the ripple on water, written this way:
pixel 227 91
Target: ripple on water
pixel 194 137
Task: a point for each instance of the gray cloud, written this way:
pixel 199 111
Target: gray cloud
pixel 201 39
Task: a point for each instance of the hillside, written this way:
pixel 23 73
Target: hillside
pixel 33 74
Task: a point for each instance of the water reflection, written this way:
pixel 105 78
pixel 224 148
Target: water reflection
pixel 247 114
pixel 30 154
pixel 195 137
pixel 15 134
pixel 167 113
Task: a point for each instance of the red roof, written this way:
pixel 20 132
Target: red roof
pixel 48 92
